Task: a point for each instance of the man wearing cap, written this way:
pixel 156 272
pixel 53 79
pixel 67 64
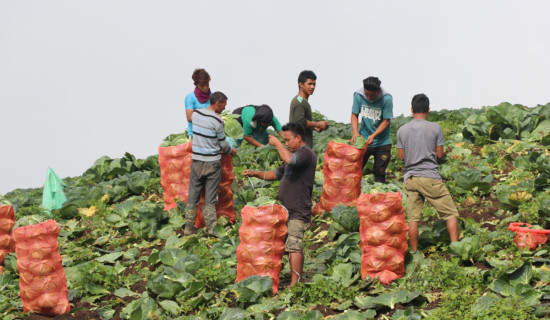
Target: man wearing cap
pixel 370 117
pixel 255 120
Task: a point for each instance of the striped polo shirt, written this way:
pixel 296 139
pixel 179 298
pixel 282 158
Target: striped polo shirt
pixel 208 136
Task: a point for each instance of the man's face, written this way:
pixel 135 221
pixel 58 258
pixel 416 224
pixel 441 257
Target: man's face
pixel 371 95
pixel 204 86
pixel 220 106
pixel 308 87
pixel 292 142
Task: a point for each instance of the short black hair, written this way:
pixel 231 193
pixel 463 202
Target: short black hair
pixel 295 128
pixel 420 103
pixel 217 96
pixel 372 83
pixel 306 74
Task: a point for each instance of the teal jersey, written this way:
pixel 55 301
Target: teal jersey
pixel 371 115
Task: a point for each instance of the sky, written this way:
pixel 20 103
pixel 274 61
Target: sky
pixel 83 79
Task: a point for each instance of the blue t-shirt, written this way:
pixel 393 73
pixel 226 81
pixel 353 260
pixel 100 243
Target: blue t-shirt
pixel 371 115
pixel 192 103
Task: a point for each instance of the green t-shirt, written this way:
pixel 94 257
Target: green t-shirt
pixel 258 132
pixel 300 112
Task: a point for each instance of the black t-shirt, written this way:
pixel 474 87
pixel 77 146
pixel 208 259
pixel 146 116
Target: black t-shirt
pixel 296 186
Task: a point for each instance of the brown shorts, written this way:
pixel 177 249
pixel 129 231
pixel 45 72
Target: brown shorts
pixel 419 189
pixel 295 237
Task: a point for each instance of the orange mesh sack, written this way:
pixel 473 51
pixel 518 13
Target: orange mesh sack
pixel 175 172
pixel 343 172
pixel 7 220
pixel 383 233
pixel 525 237
pixel 262 233
pixel 42 280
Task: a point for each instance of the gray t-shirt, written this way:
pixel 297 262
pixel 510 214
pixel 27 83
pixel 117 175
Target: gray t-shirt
pixel 418 139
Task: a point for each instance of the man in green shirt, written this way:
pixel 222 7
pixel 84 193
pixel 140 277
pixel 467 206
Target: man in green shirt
pixel 255 120
pixel 300 110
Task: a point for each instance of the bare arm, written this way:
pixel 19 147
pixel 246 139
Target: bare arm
pixel 265 175
pixel 383 125
pixel 189 114
pixel 401 154
pixel 438 151
pixel 283 152
pixel 354 127
pixel 252 141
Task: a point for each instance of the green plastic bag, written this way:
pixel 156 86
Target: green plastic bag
pixel 53 196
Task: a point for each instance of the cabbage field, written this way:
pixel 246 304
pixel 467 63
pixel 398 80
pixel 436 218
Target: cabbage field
pixel 126 258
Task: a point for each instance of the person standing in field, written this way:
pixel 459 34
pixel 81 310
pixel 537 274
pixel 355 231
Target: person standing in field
pixel 373 106
pixel 420 145
pixel 206 169
pixel 255 120
pixel 198 99
pixel 297 175
pixel 300 110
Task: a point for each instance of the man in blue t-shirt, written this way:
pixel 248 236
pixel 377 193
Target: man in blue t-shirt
pixel 373 108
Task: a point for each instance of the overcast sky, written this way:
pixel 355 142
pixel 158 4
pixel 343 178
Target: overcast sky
pixel 83 79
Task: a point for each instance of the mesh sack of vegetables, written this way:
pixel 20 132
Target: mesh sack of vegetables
pixel 383 233
pixel 7 220
pixel 175 170
pixel 224 207
pixel 42 280
pixel 262 234
pixel 343 172
pixel 526 236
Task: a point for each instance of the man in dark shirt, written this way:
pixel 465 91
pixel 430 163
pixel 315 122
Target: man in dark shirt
pixel 297 176
pixel 300 110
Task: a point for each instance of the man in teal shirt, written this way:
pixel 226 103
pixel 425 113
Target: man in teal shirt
pixel 373 106
pixel 255 120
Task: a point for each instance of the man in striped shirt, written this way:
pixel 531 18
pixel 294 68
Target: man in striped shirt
pixel 208 140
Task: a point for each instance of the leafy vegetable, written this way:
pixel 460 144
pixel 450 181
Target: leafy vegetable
pixel 232 127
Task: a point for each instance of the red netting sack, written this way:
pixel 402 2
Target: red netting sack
pixel 262 233
pixel 383 233
pixel 343 172
pixel 175 172
pixel 42 280
pixel 7 220
pixel 526 237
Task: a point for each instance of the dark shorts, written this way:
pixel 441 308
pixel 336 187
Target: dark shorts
pixel 382 156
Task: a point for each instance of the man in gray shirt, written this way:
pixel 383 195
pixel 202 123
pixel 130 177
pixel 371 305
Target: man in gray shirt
pixel 420 145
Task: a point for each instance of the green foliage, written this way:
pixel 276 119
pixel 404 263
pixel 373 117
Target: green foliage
pixel 122 251
pixel 468 248
pixel 232 127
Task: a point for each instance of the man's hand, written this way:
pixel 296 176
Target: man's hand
pixel 233 151
pixel 274 141
pixel 248 173
pixel 322 125
pixel 355 135
pixel 370 140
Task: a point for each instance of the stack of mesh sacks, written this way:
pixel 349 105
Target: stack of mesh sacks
pixel 175 170
pixel 262 233
pixel 383 233
pixel 7 220
pixel 42 280
pixel 343 172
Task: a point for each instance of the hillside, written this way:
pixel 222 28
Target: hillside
pixel 125 258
